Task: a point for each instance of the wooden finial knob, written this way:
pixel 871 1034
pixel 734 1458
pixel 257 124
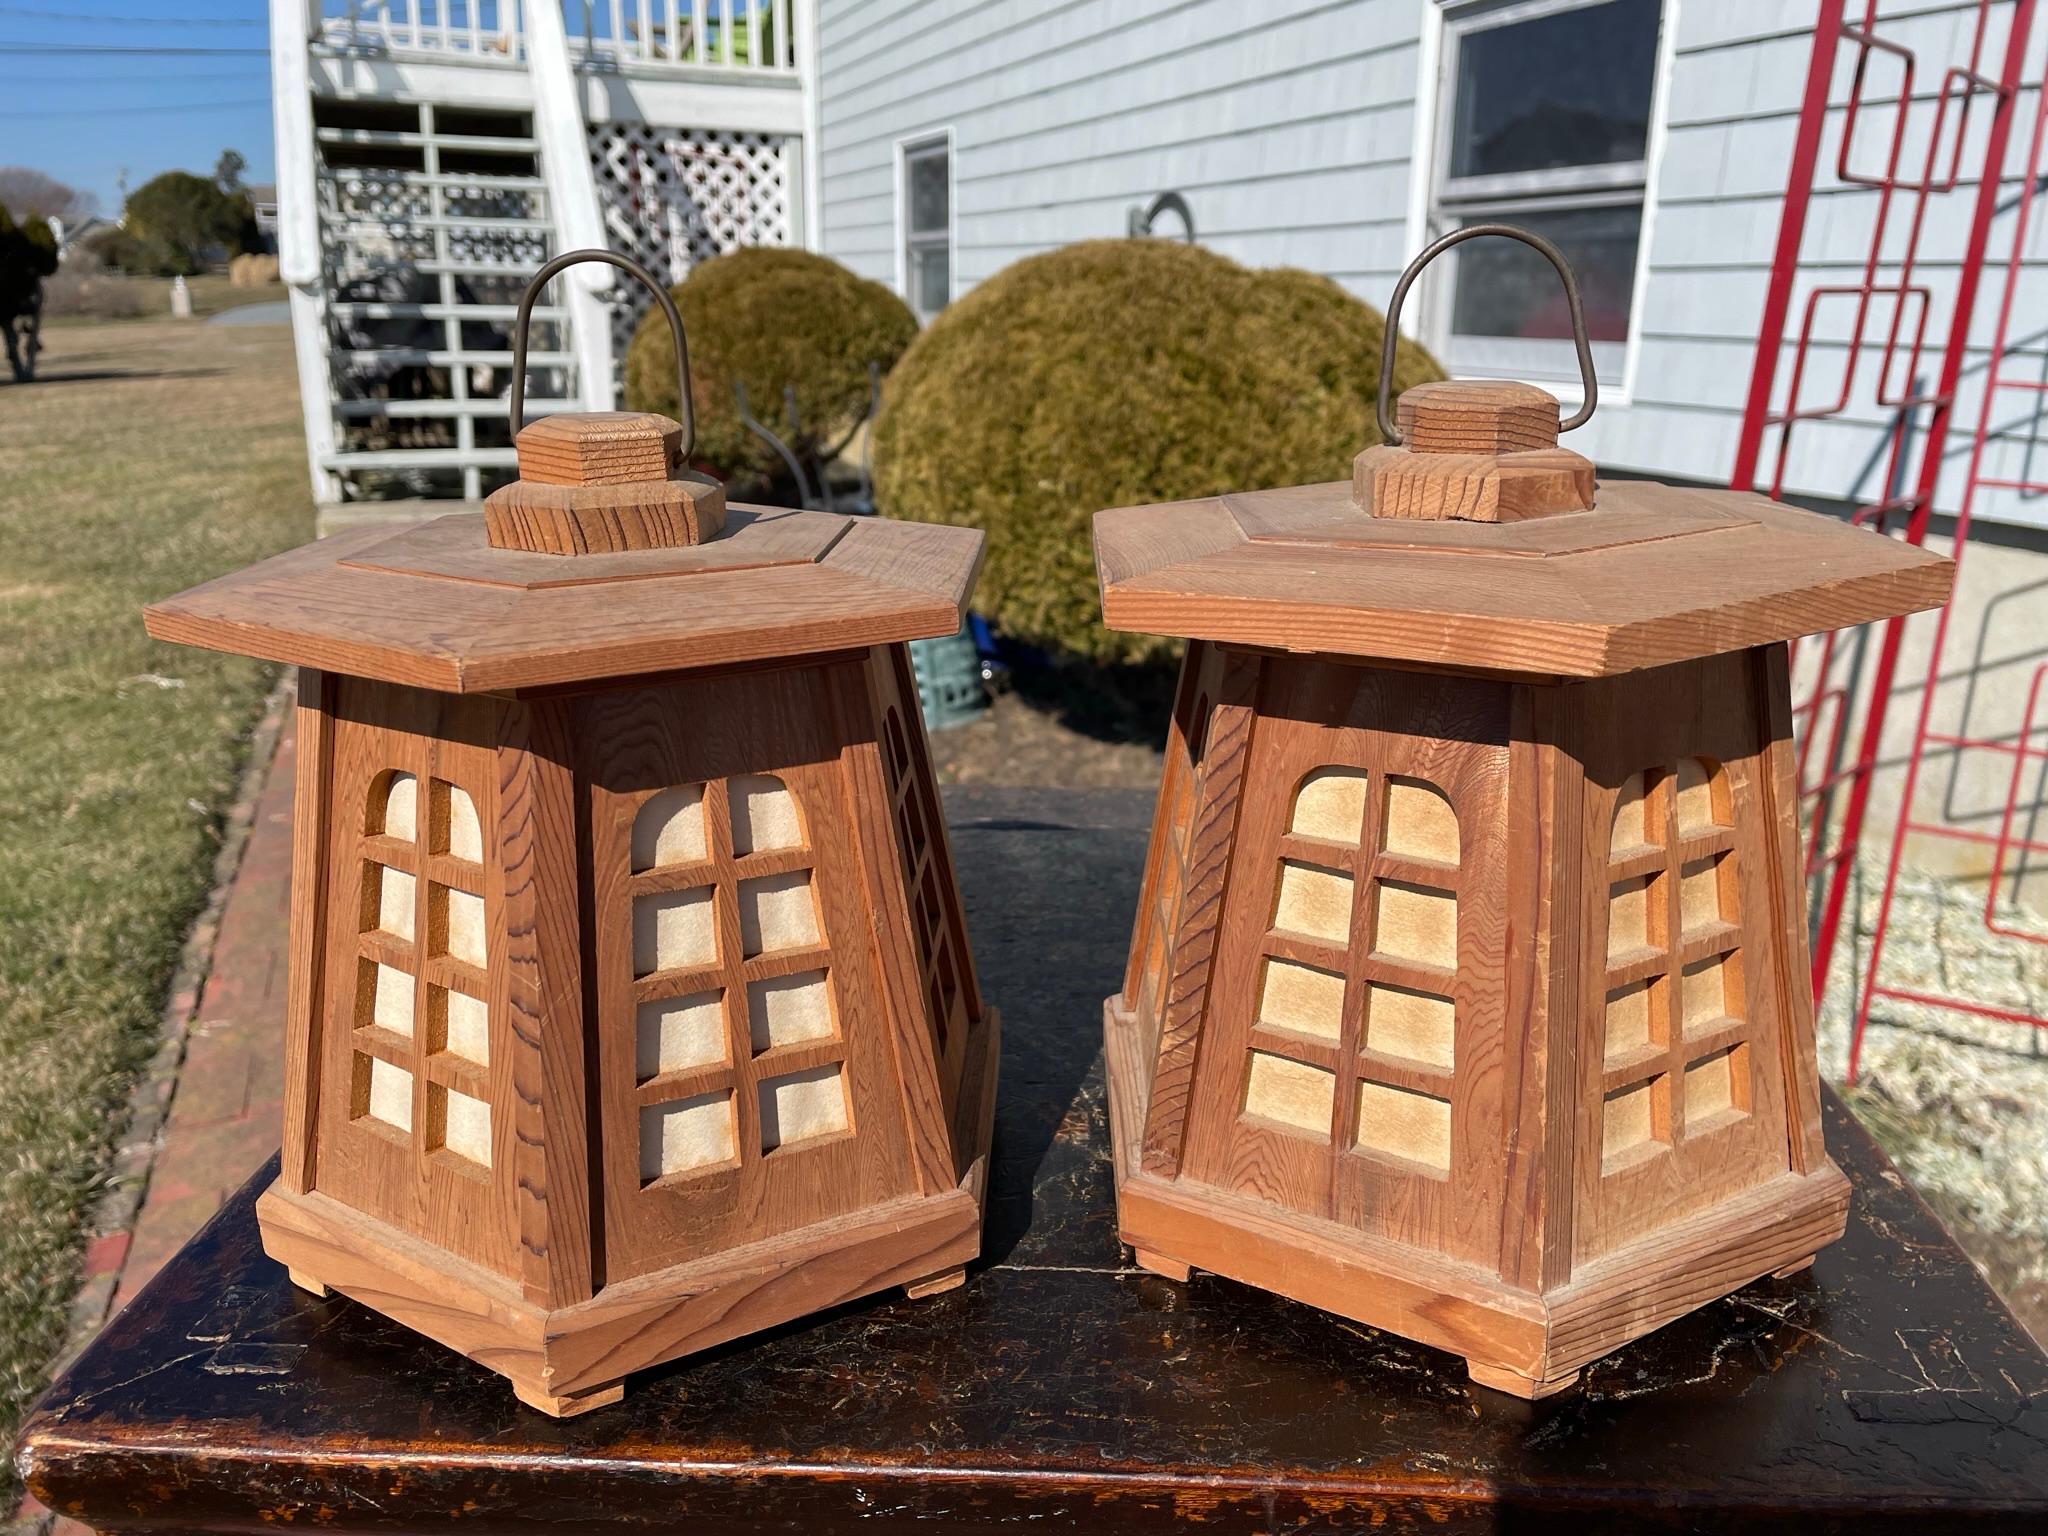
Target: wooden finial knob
pixel 1477 416
pixel 599 448
pixel 1475 450
pixel 602 482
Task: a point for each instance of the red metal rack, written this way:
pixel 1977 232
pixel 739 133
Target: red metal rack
pixel 1894 306
pixel 2019 747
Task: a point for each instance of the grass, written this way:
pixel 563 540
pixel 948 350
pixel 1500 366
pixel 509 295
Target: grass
pixel 149 456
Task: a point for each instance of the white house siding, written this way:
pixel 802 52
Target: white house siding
pixel 1738 76
pixel 1287 125
pixel 1290 129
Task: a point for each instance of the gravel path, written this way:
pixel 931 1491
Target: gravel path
pixel 1961 1102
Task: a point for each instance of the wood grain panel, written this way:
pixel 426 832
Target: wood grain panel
pixel 305 987
pixel 1211 835
pixel 1743 571
pixel 879 582
pixel 917 1038
pixel 1451 734
pixel 1622 727
pixel 632 744
pixel 547 1022
pixel 402 1179
pixel 1165 879
pixel 1777 778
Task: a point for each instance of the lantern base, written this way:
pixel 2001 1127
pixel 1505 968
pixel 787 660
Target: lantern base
pixel 568 1360
pixel 1523 1342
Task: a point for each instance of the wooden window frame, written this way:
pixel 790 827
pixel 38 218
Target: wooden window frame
pixel 1368 866
pixel 730 973
pixel 1672 1048
pixel 416 957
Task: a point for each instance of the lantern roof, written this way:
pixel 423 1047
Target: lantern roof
pixel 1469 539
pixel 435 605
pixel 1649 574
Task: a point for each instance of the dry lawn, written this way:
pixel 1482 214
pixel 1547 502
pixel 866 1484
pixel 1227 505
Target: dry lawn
pixel 148 456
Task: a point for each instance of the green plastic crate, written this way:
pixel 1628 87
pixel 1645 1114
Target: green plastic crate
pixel 949 686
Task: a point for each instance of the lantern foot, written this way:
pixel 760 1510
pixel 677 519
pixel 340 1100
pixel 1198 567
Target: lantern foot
pixel 1792 1269
pixel 306 1282
pixel 1515 1384
pixel 1160 1264
pixel 934 1285
pixel 569 1404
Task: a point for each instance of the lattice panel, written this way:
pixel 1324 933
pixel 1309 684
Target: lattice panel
pixel 672 197
pixel 1676 1064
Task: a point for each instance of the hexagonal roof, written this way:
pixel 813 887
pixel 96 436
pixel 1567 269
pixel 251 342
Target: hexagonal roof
pixel 435 606
pixel 1652 574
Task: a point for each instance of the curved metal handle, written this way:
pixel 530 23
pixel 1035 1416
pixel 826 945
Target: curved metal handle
pixel 668 307
pixel 1142 219
pixel 1388 434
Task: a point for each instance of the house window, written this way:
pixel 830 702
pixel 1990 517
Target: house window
pixel 1545 123
pixel 927 205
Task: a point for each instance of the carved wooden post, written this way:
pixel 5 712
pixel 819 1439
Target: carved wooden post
pixel 1468 994
pixel 631 1008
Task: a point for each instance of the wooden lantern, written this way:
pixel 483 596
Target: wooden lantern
pixel 1469 991
pixel 631 1007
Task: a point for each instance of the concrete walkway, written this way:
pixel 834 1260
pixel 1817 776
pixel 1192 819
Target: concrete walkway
pixel 269 312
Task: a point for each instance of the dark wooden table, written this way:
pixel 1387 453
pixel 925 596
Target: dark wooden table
pixel 1062 1388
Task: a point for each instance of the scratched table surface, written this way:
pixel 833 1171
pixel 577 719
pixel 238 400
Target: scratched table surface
pixel 1062 1388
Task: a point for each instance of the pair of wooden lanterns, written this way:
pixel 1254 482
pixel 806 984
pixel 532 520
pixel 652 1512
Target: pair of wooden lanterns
pixel 630 1007
pixel 1468 996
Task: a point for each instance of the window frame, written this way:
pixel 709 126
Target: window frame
pixel 1367 866
pixel 911 241
pixel 730 972
pixel 1443 203
pixel 425 957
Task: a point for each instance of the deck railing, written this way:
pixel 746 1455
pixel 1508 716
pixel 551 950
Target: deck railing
pixel 487 31
pixel 753 38
pixel 746 35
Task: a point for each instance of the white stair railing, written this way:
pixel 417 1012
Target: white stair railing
pixel 298 229
pixel 559 129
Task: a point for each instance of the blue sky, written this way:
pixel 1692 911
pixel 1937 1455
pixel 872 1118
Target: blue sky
pixel 84 117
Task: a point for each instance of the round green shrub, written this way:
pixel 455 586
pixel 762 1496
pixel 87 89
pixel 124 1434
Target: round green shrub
pixel 1114 373
pixel 769 319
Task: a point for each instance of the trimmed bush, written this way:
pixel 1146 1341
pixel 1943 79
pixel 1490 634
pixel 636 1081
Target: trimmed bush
pixel 1113 373
pixel 770 319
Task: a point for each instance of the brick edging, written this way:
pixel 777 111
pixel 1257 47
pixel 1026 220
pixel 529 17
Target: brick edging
pixel 112 1221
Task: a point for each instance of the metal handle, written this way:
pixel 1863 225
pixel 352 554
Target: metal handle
pixel 668 308
pixel 1388 434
